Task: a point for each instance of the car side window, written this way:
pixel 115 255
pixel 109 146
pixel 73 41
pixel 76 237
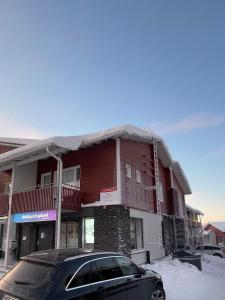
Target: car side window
pixel 82 277
pixel 95 275
pixel 212 248
pixel 200 247
pixel 127 267
pixel 108 269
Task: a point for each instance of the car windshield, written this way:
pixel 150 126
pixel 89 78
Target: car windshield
pixel 28 273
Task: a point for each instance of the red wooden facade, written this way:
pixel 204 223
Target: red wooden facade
pixel 99 171
pixel 98 168
pixel 220 235
pixel 138 156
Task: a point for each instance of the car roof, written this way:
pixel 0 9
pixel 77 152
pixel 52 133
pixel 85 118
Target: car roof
pixel 57 256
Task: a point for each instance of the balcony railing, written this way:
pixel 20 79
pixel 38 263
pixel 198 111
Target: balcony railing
pixel 40 199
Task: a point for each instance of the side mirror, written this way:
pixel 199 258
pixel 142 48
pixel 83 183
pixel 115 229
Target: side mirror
pixel 142 271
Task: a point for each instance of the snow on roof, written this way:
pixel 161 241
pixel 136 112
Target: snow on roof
pixel 218 225
pixel 16 141
pixel 66 143
pixel 197 211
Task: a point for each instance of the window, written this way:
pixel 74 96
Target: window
pixel 160 191
pixel 95 276
pixel 82 277
pixel 108 269
pixel 7 188
pixel 180 203
pixel 138 176
pixel 127 267
pixel 70 176
pixel 46 179
pixel 88 230
pixel 128 171
pixel 136 233
pixel 33 274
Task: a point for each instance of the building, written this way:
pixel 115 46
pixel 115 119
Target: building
pixel 120 189
pixel 219 229
pixel 194 227
pixel 7 144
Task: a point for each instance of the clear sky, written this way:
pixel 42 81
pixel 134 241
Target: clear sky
pixel 76 66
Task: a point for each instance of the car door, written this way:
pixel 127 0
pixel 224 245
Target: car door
pixel 110 282
pixel 139 285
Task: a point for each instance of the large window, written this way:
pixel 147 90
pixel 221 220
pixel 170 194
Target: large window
pixel 136 233
pixel 70 176
pixel 88 232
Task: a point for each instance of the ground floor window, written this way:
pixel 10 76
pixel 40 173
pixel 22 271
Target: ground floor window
pixel 88 232
pixel 136 233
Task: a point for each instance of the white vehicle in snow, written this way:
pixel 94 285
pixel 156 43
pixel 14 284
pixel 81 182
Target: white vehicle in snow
pixel 212 250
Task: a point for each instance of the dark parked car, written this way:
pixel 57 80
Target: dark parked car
pixel 79 274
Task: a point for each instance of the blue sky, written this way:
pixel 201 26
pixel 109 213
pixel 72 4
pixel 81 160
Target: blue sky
pixel 71 67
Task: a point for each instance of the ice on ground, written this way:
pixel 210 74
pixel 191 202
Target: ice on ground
pixel 183 281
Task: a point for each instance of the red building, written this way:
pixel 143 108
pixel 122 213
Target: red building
pixel 219 229
pixel 121 190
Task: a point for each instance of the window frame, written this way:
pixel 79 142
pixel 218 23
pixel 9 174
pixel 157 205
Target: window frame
pixel 42 179
pixel 76 183
pixel 67 289
pixel 138 176
pixel 135 230
pixel 128 168
pixel 85 244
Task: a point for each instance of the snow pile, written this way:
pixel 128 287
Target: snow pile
pixel 183 281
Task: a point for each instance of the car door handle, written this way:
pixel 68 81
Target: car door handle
pixel 129 280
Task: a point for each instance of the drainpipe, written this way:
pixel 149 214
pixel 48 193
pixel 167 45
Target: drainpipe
pixel 9 217
pixel 58 197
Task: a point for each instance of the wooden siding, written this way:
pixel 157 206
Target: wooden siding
pixel 98 168
pixel 164 177
pixel 220 235
pixel 138 156
pixel 180 195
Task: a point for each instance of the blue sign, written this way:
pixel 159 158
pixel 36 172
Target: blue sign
pixel 36 216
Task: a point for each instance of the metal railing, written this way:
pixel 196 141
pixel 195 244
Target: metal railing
pixel 41 198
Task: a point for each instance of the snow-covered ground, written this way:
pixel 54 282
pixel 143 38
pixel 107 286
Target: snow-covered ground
pixel 183 281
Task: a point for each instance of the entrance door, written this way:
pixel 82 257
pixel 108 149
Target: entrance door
pixel 69 235
pixel 45 236
pixel 27 241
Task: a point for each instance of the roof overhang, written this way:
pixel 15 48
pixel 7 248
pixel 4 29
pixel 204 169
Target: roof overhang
pixel 37 150
pixel 195 210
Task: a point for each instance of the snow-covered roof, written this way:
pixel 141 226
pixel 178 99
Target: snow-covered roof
pixel 16 141
pixel 218 225
pixel 59 144
pixel 197 211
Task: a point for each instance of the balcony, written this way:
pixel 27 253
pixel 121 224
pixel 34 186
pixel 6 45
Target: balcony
pixel 40 199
